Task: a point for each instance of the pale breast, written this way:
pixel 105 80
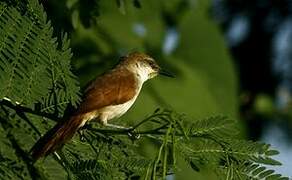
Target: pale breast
pixel 116 111
pixel 109 112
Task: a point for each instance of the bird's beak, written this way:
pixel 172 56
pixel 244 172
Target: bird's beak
pixel 165 73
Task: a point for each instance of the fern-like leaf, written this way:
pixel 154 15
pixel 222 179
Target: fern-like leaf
pixel 256 172
pixel 32 68
pixel 219 126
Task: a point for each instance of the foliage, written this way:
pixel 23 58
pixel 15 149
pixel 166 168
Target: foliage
pixel 30 54
pixel 37 84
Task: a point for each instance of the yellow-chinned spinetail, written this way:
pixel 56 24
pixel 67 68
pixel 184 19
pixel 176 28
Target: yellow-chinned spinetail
pixel 109 96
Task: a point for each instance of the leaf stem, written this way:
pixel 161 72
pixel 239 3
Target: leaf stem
pixel 20 108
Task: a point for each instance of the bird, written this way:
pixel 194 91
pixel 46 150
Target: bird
pixel 108 96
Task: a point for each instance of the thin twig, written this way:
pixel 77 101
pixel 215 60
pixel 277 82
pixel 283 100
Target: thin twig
pixel 20 108
pixel 147 119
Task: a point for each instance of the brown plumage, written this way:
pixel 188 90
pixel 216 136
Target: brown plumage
pixel 116 87
pixel 108 96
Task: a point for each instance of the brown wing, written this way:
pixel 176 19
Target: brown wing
pixel 115 87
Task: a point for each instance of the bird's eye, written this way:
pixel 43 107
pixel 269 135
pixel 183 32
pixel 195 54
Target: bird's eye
pixel 151 63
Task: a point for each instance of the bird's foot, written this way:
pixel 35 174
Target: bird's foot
pixel 134 135
pixel 131 132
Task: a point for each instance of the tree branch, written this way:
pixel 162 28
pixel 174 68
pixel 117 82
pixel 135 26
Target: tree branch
pixel 19 108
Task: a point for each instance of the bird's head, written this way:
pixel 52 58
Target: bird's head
pixel 143 65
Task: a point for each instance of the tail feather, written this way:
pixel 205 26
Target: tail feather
pixel 56 137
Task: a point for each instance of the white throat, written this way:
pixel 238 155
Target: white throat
pixel 142 73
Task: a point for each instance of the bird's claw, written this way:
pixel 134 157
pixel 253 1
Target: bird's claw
pixel 133 135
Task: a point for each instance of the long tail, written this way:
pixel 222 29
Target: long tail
pixel 56 137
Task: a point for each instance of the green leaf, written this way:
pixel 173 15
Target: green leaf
pixel 194 166
pixel 272 152
pixel 216 126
